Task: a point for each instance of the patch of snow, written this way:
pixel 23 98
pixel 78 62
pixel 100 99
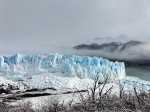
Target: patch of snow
pixel 5 81
pixel 59 82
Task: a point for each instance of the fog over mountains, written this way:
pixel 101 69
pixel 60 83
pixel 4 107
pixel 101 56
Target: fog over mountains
pixel 31 26
pixel 121 48
pixel 109 44
pixel 110 47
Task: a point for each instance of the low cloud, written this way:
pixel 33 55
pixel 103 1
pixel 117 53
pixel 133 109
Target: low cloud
pixel 31 26
pixel 139 52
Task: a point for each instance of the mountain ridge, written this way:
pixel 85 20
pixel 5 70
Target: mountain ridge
pixel 111 47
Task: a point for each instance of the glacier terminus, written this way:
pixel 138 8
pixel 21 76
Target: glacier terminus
pixel 62 71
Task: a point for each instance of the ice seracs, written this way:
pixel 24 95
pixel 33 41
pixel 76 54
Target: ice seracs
pixel 67 65
pixel 62 71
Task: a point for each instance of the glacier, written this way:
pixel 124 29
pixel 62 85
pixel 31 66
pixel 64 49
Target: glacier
pixel 69 65
pixel 59 71
pixel 62 71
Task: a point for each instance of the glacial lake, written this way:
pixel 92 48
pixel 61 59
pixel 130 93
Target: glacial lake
pixel 143 72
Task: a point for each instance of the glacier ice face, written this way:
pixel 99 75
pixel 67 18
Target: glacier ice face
pixel 63 71
pixel 67 65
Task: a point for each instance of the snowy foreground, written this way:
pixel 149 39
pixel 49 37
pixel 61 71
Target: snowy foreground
pixel 63 73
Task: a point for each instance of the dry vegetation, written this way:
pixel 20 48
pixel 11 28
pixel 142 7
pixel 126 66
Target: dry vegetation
pixel 95 102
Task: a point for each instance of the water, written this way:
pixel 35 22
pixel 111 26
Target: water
pixel 143 72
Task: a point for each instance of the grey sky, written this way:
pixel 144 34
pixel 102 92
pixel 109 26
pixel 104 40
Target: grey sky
pixel 38 24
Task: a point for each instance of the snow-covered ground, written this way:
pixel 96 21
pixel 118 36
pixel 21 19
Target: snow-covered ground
pixel 5 81
pixel 66 98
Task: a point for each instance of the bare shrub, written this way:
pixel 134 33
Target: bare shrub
pixel 4 107
pixel 106 102
pixel 23 107
pixel 53 106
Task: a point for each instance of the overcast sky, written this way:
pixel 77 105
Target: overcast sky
pixel 36 25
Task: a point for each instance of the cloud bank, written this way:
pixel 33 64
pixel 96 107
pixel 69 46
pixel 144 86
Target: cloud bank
pixel 44 26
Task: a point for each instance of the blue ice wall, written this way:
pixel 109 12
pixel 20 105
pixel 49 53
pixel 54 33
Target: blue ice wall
pixel 68 65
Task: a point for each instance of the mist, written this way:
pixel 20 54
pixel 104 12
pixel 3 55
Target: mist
pixel 136 53
pixel 31 26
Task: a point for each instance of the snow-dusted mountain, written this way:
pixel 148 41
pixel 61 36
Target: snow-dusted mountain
pixel 122 48
pixel 131 44
pixel 110 47
pixel 109 44
pixel 108 39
